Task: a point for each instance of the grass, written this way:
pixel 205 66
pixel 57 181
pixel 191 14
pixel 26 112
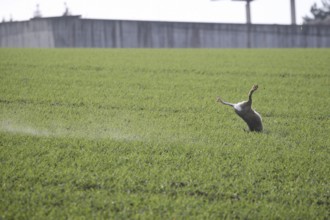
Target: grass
pixel 136 133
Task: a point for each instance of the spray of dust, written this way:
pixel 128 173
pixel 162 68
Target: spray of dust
pixel 10 126
pixel 105 132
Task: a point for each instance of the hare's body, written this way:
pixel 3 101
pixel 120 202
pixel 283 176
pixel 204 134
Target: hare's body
pixel 245 111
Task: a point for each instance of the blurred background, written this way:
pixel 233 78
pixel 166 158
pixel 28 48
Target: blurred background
pixel 223 11
pixel 165 24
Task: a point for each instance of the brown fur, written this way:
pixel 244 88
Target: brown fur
pixel 245 111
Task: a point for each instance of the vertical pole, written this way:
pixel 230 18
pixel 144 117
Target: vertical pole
pixel 248 22
pixel 248 12
pixel 293 12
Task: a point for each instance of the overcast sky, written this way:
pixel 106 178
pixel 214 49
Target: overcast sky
pixel 226 11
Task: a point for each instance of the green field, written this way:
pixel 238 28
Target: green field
pixel 137 134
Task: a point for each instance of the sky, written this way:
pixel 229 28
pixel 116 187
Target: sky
pixel 221 11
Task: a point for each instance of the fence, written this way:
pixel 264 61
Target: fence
pixel 72 31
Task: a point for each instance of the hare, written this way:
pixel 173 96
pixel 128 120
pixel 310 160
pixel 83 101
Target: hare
pixel 244 110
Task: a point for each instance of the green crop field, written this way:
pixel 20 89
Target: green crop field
pixel 138 134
